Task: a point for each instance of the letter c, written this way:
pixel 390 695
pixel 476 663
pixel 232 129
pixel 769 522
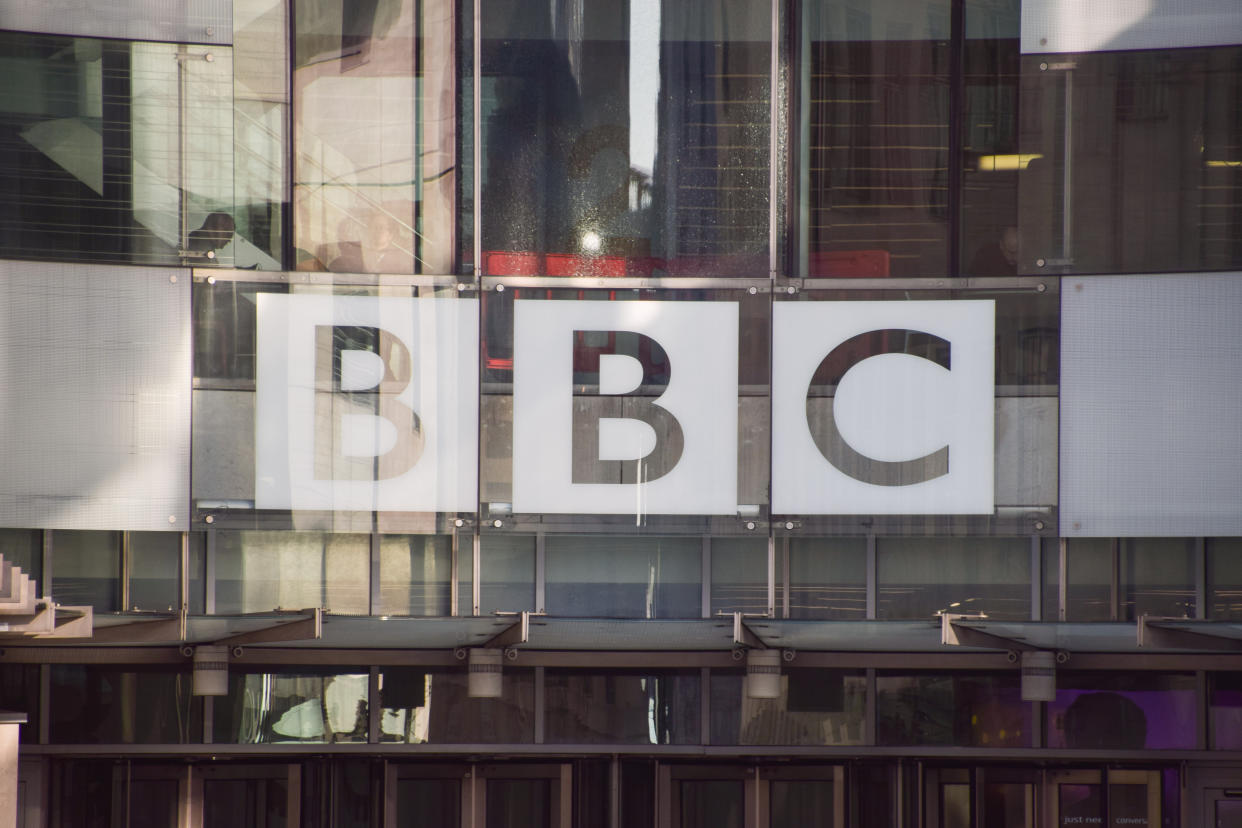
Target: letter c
pixel 830 442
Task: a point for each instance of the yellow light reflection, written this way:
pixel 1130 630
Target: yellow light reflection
pixel 993 163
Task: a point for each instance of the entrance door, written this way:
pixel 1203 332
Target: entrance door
pixel 1223 807
pixel 1111 798
pixel 754 796
pixel 479 796
pixel 246 796
pixel 986 797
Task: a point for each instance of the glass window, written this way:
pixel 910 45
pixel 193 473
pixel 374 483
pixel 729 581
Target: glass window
pixel 86 569
pixel 623 577
pixel 874 139
pixel 1089 579
pixel 258 571
pixel 991 162
pixel 198 573
pixel 260 134
pixel 19 692
pixel 1149 182
pixel 115 151
pixel 375 144
pixel 740 575
pixel 109 705
pixel 415 574
pixel 622 708
pixel 1128 711
pixel 919 577
pixel 434 707
pixel 828 578
pixel 1156 577
pixel 1225 709
pixel 968 710
pixel 300 705
pixel 154 571
pixel 1224 577
pixel 506 573
pixel 625 138
pixel 816 707
pixel 24 548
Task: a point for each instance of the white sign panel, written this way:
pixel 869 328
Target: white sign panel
pixel 652 428
pixel 909 429
pixel 366 403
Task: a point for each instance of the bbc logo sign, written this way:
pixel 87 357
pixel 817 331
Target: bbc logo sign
pixel 371 403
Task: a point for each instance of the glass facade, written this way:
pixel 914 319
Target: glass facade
pixel 622 413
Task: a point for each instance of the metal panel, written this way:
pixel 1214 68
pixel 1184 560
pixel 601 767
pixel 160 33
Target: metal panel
pixel 171 21
pixel 1151 428
pixel 94 397
pixel 1114 25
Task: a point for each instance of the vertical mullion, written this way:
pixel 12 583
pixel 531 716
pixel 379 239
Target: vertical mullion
pixel 706 578
pixel 541 573
pixel 957 53
pixel 209 598
pixel 872 589
pixel 373 600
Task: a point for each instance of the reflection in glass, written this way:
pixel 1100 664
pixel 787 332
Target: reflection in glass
pixel 625 138
pixel 711 803
pixel 875 139
pixel 134 705
pixel 375 141
pixel 245 803
pixel 1089 579
pixel 24 548
pixel 990 240
pixel 623 577
pixel 918 577
pixel 154 571
pixel 816 707
pixel 19 692
pixel 801 803
pixel 1150 180
pixel 259 571
pixel 415 572
pixel 1156 577
pixel 622 708
pixel 1123 710
pixel 433 707
pixel 1225 710
pixel 828 578
pixel 506 573
pixel 1008 805
pixel 115 151
pixel 740 575
pixel 429 803
pixel 260 134
pixel 303 705
pixel 955 805
pixel 87 569
pixel 519 803
pixel 1080 804
pixel 952 709
pixel 1224 579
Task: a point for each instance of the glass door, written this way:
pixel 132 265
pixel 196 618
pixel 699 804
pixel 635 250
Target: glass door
pixel 983 797
pixel 751 796
pixel 1112 798
pixel 246 796
pixel 521 796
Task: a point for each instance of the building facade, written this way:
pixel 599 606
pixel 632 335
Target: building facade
pixel 720 413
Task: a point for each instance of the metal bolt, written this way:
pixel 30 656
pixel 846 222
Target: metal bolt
pixel 1043 67
pixel 172 279
pixel 1040 263
pixel 750 524
pixel 209 519
pixel 789 525
pixel 498 523
pixel 752 290
pixel 459 523
pixel 500 288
